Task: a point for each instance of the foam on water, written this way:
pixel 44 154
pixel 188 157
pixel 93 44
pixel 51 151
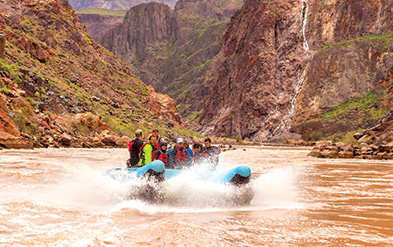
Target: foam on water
pixel 83 188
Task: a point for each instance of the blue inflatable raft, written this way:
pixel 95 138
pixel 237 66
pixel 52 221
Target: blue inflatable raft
pixel 155 173
pixel 154 170
pixel 239 175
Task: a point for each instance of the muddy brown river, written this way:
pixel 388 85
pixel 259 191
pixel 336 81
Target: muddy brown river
pixel 61 197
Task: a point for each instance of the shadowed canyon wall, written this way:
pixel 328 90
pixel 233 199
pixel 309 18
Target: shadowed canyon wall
pixel 296 69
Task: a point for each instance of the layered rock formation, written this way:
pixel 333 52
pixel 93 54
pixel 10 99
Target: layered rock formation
pixel 254 87
pixel 174 51
pixel 347 84
pixel 59 86
pixel 304 69
pixel 142 25
pixel 100 21
pixel 220 10
pixel 114 4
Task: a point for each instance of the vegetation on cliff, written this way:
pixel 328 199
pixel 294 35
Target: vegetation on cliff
pixel 60 86
pixel 178 63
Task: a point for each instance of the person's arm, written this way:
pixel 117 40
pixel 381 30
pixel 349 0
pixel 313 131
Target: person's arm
pixel 157 154
pixel 190 152
pixel 171 158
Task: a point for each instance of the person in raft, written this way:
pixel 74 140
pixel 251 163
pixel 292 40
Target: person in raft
pixel 133 148
pixel 160 140
pixel 212 152
pixel 187 147
pixel 146 151
pixel 162 154
pixel 179 157
pixel 199 156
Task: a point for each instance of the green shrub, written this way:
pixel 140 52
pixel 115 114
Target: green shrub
pixel 82 129
pixel 5 90
pixel 21 119
pixel 79 96
pixel 316 135
pixel 32 102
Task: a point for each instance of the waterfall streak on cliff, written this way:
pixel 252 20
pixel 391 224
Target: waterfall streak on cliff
pixel 304 21
pixel 296 90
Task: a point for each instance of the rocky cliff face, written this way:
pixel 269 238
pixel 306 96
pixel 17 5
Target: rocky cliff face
pixel 114 4
pixel 100 21
pixel 347 83
pixel 142 25
pixel 220 10
pixel 174 51
pixel 60 87
pixel 302 69
pixel 263 52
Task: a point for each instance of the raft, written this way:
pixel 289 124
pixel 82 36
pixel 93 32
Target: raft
pixel 155 173
pixel 238 176
pixel 154 170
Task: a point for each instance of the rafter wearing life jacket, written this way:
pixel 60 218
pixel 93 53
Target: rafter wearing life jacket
pixel 180 155
pixel 134 148
pixel 145 154
pixel 162 154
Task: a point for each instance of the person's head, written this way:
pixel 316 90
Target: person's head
pixel 155 132
pixel 208 142
pixel 197 147
pixel 185 143
pixel 163 146
pixel 179 143
pixel 139 134
pixel 153 140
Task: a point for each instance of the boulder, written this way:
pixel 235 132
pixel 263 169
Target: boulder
pixel 109 140
pixel 324 154
pixel 16 143
pixel 323 144
pixel 315 152
pixel 66 139
pixel 333 154
pixel 347 148
pixel 345 155
pixel 379 156
pixel 123 141
pixel 385 148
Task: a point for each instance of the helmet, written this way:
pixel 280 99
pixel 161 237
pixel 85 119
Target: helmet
pixel 163 144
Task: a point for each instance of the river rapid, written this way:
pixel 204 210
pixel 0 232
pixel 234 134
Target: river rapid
pixel 61 197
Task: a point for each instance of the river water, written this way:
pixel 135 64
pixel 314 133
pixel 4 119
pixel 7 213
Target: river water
pixel 60 197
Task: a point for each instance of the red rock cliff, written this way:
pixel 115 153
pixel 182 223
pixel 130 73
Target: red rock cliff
pixel 295 68
pixel 263 61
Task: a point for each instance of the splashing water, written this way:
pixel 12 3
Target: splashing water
pixel 86 189
pixel 62 198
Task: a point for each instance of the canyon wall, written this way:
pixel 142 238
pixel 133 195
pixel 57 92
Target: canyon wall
pixel 173 50
pixel 114 4
pixel 302 69
pixel 58 86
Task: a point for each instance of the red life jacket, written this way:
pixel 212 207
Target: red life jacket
pixel 153 154
pixel 130 146
pixel 205 154
pixel 164 157
pixel 180 156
